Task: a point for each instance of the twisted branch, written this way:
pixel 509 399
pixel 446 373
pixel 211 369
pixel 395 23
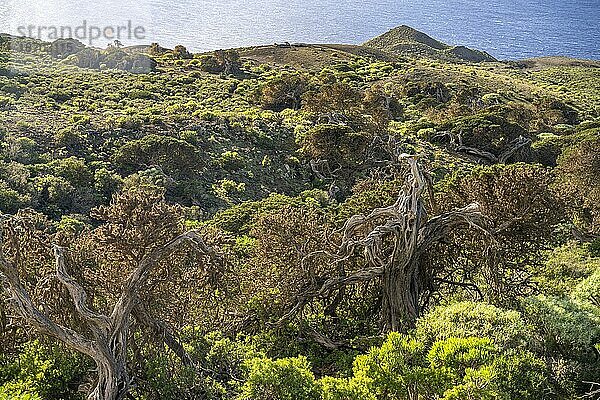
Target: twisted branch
pixel 108 347
pixel 393 240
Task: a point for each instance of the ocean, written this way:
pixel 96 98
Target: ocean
pixel 507 29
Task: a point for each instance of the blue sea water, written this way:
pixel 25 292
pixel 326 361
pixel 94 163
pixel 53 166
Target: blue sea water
pixel 508 29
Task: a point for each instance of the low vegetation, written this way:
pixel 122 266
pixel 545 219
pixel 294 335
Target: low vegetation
pixel 391 221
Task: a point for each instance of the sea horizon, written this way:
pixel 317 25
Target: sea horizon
pixel 506 30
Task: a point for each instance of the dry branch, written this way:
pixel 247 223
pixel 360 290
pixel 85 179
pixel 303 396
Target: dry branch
pixel 105 338
pixel 393 240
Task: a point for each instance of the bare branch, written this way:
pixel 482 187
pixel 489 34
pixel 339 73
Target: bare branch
pixel 393 240
pixel 21 302
pixel 78 294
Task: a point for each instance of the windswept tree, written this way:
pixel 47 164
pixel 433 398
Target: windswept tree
pixel 579 182
pixel 339 104
pixel 174 156
pixel 90 290
pixel 226 62
pixel 349 132
pixel 179 52
pixel 284 91
pixel 394 242
pixel 229 60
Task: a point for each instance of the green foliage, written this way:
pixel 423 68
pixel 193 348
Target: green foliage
pixel 588 290
pixel 170 154
pixel 564 269
pixel 565 326
pixel 70 225
pixel 454 368
pixel 225 358
pixel 10 199
pixel 397 369
pixel 465 319
pixel 112 58
pixel 283 379
pixel 106 182
pixel 520 375
pixel 221 61
pixel 41 372
pixel 459 354
pixel 345 389
pixel 240 218
pixel 230 160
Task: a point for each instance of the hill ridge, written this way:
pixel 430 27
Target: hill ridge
pixel 404 40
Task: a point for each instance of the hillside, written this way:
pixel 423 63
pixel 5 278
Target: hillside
pixel 407 35
pixel 407 41
pixel 298 221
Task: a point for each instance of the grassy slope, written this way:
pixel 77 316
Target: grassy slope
pixel 218 115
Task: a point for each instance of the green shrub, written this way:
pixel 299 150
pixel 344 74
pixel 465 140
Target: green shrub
pixel 42 372
pixel 344 389
pixel 220 365
pixel 283 379
pixel 460 354
pixel 466 319
pixel 565 268
pixel 169 153
pixel 398 369
pixel 520 375
pixel 588 290
pixel 564 326
pixel 230 160
pixel 10 199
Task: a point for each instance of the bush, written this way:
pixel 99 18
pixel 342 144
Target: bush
pixel 169 153
pixel 460 354
pixel 520 375
pixel 454 368
pixel 564 326
pixel 465 319
pixel 283 379
pixel 283 92
pixel 42 372
pixel 169 379
pixel 344 389
pixel 565 268
pixel 589 289
pixel 398 369
pixel 579 181
pixel 230 160
pixel 10 199
pixel 336 143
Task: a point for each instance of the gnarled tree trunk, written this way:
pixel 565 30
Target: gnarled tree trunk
pixel 394 240
pixel 106 338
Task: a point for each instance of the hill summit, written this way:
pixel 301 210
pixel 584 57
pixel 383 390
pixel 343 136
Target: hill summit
pixel 406 41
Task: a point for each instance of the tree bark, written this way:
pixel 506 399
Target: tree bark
pixel 400 303
pixel 106 340
pixel 393 240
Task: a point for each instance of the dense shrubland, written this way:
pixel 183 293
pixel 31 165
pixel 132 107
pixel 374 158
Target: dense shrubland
pixel 217 227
